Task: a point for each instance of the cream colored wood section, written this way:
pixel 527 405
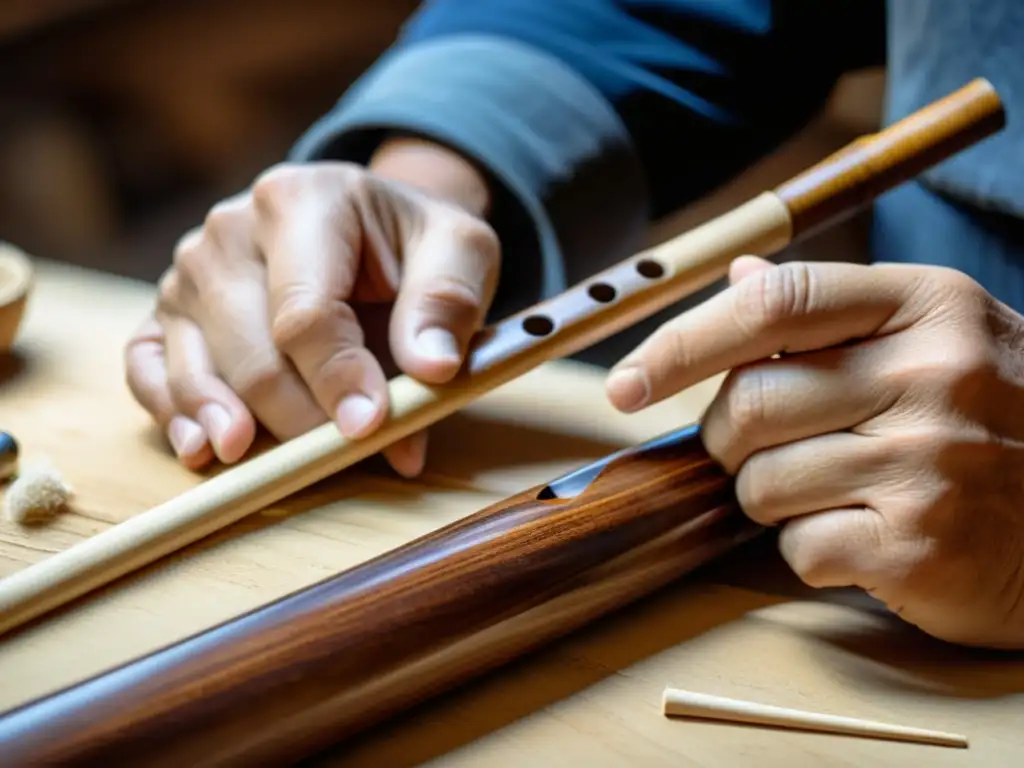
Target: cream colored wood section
pixel 691 260
pixel 743 628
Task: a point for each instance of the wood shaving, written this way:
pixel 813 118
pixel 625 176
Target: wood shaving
pixel 36 495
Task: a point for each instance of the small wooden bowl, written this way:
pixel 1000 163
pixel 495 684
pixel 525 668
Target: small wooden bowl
pixel 15 286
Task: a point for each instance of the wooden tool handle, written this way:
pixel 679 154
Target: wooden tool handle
pixel 682 703
pixel 295 676
pixel 587 313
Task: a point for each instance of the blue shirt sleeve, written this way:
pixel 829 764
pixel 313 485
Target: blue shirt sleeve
pixel 593 117
pixel 704 87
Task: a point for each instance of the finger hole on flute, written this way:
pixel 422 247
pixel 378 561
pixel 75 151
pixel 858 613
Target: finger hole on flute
pixel 650 269
pixel 602 292
pixel 538 325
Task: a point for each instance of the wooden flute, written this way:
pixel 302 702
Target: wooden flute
pixel 587 313
pixel 294 677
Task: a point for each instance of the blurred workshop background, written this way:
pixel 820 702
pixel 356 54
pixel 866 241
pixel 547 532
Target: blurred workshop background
pixel 122 121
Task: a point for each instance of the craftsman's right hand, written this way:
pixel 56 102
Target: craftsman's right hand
pixel 278 309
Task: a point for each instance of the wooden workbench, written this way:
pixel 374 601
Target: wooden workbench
pixel 740 628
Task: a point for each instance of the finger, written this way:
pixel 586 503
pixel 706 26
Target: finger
pixel 840 548
pixel 223 288
pixel 449 281
pixel 788 308
pixel 146 376
pixel 744 266
pixel 408 455
pixel 146 372
pixel 841 469
pixel 201 395
pixel 237 332
pixel 311 244
pixel 778 401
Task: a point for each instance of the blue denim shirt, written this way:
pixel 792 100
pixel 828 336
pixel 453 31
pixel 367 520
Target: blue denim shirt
pixel 968 212
pixel 594 117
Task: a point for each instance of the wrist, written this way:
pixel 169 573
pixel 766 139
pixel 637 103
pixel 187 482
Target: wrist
pixel 434 169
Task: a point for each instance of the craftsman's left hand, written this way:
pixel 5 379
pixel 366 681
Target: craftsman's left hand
pixel 886 440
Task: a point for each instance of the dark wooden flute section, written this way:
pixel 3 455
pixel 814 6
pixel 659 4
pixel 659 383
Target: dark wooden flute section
pixel 844 182
pixel 837 187
pixel 296 676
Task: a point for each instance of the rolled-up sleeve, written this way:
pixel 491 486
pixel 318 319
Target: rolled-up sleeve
pixel 593 117
pixel 569 178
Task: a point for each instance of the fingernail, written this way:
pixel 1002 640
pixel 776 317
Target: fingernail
pixel 627 388
pixel 408 457
pixel 187 438
pixel 354 414
pixel 216 421
pixel 438 343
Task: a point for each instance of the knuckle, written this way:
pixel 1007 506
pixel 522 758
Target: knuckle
pixel 479 238
pixel 452 292
pixel 742 407
pixel 283 181
pixel 275 182
pixel 952 282
pixel 774 296
pixel 812 571
pixel 755 491
pixel 948 294
pixel 257 378
pixel 329 378
pixel 169 290
pixel 300 320
pixel 748 399
pixel 959 370
pixel 188 257
pixel 808 560
pixel 668 346
pixel 185 385
pixel 224 216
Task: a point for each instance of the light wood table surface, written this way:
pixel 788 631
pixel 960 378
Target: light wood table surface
pixel 741 628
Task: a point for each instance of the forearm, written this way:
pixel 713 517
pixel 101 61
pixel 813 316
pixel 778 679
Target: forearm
pixel 564 180
pixel 434 169
pixel 702 89
pixel 586 120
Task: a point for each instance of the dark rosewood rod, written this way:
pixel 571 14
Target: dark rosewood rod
pixel 294 677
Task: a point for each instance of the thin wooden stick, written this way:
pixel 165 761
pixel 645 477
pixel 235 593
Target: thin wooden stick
pixel 679 703
pixel 608 303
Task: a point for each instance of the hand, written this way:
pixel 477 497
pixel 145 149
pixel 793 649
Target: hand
pixel 277 309
pixel 875 414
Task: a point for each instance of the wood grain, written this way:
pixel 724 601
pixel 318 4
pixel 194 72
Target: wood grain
pixel 742 627
pixel 596 309
pixel 502 353
pixel 680 703
pixel 294 677
pixel 848 179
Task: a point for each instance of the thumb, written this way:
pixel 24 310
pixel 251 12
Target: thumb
pixel 744 266
pixel 450 275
